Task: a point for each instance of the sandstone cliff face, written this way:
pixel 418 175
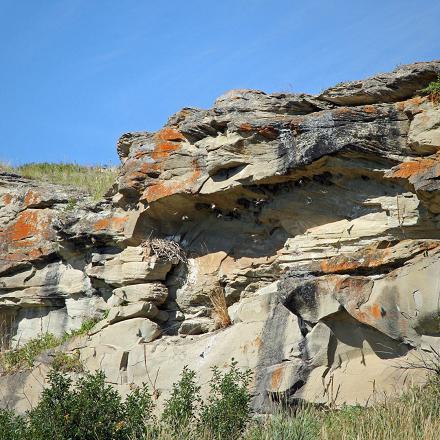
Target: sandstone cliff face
pixel 318 216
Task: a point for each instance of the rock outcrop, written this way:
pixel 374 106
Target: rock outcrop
pixel 316 216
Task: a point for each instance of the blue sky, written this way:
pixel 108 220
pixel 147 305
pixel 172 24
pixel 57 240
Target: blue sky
pixel 76 74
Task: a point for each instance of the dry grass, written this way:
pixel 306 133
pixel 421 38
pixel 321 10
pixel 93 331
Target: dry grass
pixel 95 180
pixel 413 416
pixel 220 308
pixel 6 324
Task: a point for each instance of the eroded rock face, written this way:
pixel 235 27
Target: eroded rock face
pixel 317 216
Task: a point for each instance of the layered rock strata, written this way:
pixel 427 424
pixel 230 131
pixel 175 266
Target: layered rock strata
pixel 317 216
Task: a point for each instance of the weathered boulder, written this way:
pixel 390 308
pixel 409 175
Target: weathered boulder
pixel 153 292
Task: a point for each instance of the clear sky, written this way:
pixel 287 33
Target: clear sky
pixel 76 74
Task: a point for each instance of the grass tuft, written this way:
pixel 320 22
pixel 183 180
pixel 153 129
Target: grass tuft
pixel 220 307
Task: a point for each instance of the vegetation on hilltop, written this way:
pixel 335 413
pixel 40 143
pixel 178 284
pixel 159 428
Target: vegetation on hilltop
pixel 96 180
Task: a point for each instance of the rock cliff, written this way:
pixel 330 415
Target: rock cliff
pixel 316 216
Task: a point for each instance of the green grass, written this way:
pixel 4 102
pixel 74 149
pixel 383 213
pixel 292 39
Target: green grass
pixel 95 180
pixel 24 357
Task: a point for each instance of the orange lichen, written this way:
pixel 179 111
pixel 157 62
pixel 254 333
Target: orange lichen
pixel 343 111
pixel 415 167
pixel 163 150
pixel 28 237
pixel 370 109
pixel 25 226
pixel 7 199
pixel 268 132
pixel 246 127
pixel 258 342
pixel 31 198
pixel 164 189
pixel 111 223
pixel 276 377
pixel 376 311
pixel 369 257
pixel 169 134
pixel 403 105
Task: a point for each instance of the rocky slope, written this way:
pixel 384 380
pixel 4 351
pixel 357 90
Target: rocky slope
pixel 317 216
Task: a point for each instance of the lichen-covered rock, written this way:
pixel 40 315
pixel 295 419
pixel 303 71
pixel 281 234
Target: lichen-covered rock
pixel 316 217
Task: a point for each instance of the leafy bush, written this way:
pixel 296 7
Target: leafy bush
pixel 433 90
pixel 90 410
pixel 138 409
pixel 12 427
pixel 227 411
pixel 180 409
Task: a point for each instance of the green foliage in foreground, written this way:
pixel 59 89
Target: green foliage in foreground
pixel 433 90
pixel 93 410
pixel 96 180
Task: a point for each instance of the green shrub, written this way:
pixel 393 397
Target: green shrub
pixel 138 409
pixel 92 410
pixel 433 90
pixel 181 408
pixel 227 411
pixel 12 427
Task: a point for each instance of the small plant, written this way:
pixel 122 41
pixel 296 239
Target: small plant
pixel 71 203
pixel 66 363
pixel 86 327
pixel 24 357
pixel 181 408
pixel 220 307
pixel 433 90
pixel 227 411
